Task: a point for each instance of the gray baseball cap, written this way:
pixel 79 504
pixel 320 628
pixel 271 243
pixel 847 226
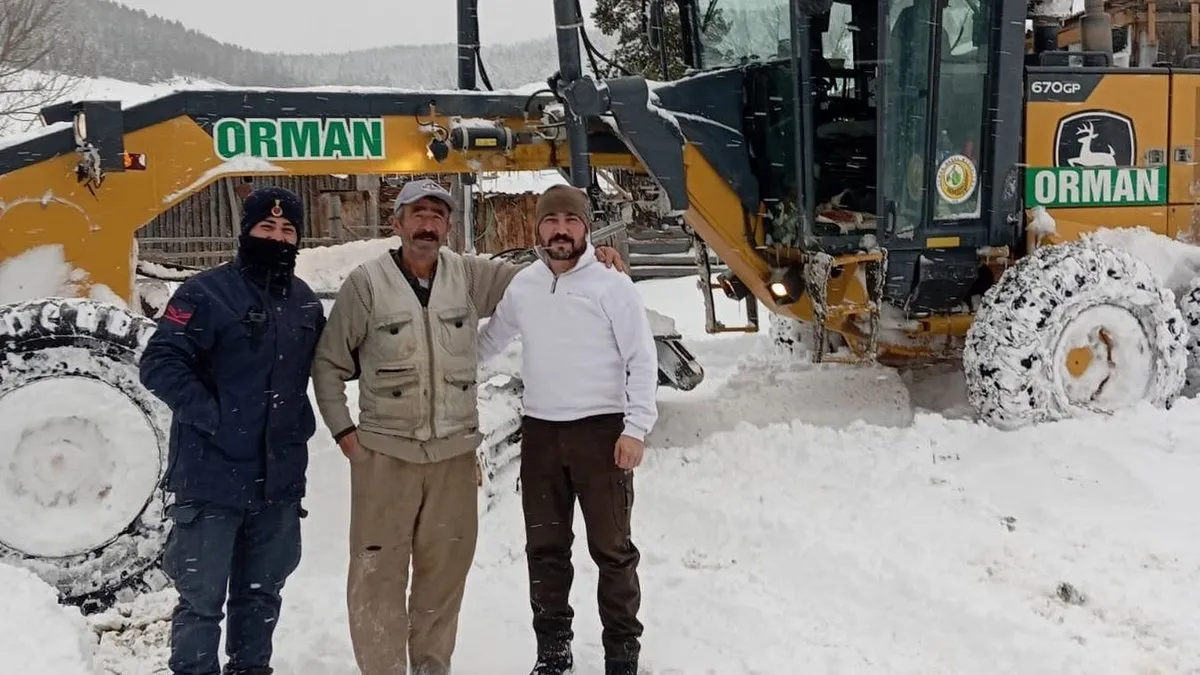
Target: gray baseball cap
pixel 415 190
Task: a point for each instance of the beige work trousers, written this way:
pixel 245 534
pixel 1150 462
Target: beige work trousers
pixel 402 512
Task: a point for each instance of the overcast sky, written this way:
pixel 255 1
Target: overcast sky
pixel 311 26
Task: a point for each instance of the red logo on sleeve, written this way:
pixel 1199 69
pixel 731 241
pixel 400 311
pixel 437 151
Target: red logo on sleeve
pixel 177 316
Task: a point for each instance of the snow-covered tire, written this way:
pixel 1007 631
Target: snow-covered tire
pixel 1051 314
pixel 83 446
pixel 789 336
pixel 1189 306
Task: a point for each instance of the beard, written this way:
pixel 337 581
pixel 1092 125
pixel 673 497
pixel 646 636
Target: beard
pixel 562 247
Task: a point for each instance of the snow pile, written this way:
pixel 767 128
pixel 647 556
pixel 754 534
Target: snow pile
pixel 42 272
pixel 325 268
pixel 519 182
pixel 37 635
pixel 1175 263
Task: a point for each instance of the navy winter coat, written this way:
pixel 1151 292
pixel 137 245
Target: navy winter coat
pixel 236 378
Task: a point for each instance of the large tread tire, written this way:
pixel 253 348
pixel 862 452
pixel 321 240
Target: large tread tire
pixel 85 479
pixel 789 336
pixel 1014 358
pixel 1189 306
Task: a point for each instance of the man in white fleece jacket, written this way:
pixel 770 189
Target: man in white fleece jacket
pixel 590 371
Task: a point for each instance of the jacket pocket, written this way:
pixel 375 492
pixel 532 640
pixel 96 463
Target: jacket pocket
pixel 460 397
pixel 397 335
pixel 396 390
pixel 457 329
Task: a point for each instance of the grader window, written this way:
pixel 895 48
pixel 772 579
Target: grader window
pixel 961 105
pixel 735 32
pixel 954 174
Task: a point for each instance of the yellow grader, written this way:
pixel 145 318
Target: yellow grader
pixel 903 180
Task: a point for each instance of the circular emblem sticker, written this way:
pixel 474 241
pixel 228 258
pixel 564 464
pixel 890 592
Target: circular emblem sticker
pixel 957 179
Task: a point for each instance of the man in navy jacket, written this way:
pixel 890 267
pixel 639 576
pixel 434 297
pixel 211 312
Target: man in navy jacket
pixel 231 357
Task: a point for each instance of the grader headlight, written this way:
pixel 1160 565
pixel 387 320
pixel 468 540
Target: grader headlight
pixel 786 284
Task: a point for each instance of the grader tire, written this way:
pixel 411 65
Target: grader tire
pixel 789 336
pixel 1189 306
pixel 83 448
pixel 1074 330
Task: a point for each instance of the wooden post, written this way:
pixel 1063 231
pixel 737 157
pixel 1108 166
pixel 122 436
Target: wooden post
pixel 369 183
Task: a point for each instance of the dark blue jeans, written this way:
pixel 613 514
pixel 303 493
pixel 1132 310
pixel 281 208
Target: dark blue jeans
pixel 223 558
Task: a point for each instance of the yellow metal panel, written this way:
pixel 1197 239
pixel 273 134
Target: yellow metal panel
pixel 943 242
pixel 1139 100
pixel 1185 95
pixel 1071 223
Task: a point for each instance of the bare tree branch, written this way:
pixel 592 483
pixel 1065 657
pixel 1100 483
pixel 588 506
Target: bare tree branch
pixel 30 31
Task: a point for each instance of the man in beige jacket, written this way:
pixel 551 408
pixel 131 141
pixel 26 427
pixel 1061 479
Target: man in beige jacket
pixel 405 325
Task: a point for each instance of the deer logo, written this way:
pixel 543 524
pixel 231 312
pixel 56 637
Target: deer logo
pixel 1087 156
pixel 1095 138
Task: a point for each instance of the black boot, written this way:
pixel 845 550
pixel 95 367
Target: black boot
pixel 558 663
pixel 620 667
pixel 260 670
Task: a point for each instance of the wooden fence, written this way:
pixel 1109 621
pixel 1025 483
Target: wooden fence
pixel 202 230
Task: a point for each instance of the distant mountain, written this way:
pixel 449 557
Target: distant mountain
pixel 104 39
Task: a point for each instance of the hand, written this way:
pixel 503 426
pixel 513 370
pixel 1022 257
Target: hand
pixel 611 258
pixel 350 447
pixel 629 452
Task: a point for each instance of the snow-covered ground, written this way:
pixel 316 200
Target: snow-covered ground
pixel 777 543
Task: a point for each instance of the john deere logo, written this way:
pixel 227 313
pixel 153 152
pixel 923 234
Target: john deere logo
pixel 1095 138
pixel 957 179
pixel 1095 153
pixel 299 138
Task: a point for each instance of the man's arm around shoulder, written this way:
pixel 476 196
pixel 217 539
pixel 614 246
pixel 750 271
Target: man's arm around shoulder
pixel 171 363
pixel 336 358
pixel 489 279
pixel 635 342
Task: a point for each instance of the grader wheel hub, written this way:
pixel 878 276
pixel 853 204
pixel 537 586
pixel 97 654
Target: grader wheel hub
pixel 1105 357
pixel 1079 359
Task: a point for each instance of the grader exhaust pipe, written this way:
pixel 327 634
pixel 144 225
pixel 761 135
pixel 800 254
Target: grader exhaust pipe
pixel 1095 28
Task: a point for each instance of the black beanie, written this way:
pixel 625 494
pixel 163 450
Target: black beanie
pixel 272 201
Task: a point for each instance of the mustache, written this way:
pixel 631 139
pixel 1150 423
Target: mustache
pixel 426 235
pixel 566 239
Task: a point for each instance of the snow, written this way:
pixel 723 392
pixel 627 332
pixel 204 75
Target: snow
pixel 324 268
pixel 238 165
pixel 37 636
pixel 913 540
pixel 1042 223
pixel 43 271
pixel 1175 263
pixel 519 182
pixel 72 482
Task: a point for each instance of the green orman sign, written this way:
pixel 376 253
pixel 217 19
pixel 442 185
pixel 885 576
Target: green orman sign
pixel 1064 187
pixel 299 138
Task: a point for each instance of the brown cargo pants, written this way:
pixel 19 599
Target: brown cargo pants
pixel 559 462
pixel 401 512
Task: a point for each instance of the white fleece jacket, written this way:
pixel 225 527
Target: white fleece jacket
pixel 587 347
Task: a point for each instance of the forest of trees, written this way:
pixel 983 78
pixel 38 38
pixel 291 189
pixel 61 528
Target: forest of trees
pixel 111 40
pixel 47 44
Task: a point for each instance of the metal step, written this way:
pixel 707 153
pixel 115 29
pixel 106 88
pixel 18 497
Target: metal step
pixel 636 260
pixel 660 246
pixel 662 272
